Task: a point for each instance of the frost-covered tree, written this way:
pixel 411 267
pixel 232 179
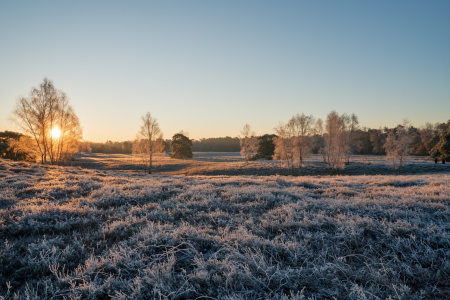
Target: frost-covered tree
pixel 318 127
pixel 248 142
pixel 150 136
pixel 285 150
pixel 335 141
pixel 302 128
pixel 398 144
pixel 48 118
pixel 339 139
pixel 23 148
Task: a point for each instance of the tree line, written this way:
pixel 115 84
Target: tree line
pixel 339 137
pixel 219 144
pixel 53 134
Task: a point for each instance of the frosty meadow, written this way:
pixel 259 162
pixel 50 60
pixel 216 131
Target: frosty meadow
pixel 70 233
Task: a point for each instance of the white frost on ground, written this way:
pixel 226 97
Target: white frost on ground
pixel 70 233
pixel 232 164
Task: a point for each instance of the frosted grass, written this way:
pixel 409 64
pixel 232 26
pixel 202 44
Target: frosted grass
pixel 69 233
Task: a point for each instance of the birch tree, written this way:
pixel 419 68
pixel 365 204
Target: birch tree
pixel 139 148
pixel 285 147
pixel 45 112
pixel 337 142
pixel 151 136
pixel 302 129
pixel 248 142
pixel 398 144
pixel 352 127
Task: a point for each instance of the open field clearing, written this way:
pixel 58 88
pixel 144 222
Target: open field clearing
pixel 231 163
pixel 72 233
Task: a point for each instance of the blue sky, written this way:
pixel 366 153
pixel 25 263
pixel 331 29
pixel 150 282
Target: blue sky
pixel 210 67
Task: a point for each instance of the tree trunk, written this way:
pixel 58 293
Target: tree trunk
pixel 150 166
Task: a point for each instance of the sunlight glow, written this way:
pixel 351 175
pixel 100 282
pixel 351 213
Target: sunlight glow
pixel 56 133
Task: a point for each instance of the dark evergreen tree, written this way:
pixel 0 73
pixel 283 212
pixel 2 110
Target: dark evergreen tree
pixel 442 148
pixel 181 146
pixel 266 147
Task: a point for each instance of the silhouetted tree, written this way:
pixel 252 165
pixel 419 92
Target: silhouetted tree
pixel 266 147
pixel 44 110
pixel 442 147
pixel 181 146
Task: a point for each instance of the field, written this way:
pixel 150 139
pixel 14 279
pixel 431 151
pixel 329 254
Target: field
pixel 231 163
pixel 74 233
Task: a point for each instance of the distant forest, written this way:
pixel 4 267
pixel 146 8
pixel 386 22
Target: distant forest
pixel 368 142
pixel 221 144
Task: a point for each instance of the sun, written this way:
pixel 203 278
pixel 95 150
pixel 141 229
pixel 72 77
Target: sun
pixel 56 133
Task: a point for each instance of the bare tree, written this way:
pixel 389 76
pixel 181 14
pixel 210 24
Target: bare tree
pixel 302 129
pixel 337 142
pixel 352 127
pixel 249 142
pixel 285 149
pixel 398 144
pixel 43 113
pixel 140 149
pixel 150 135
pixel 318 127
pixel 332 140
pixel 318 141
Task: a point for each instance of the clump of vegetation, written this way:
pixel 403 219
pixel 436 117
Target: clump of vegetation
pixel 73 233
pixel 398 145
pixel 442 147
pixel 181 146
pixel 16 146
pixel 266 147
